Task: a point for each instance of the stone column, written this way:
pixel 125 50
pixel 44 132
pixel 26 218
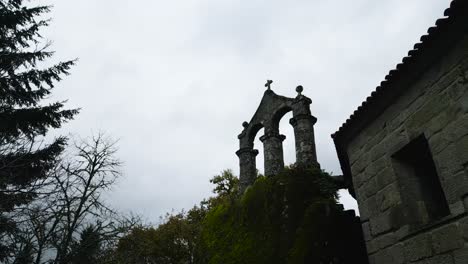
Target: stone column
pixel 248 167
pixel 306 155
pixel 273 153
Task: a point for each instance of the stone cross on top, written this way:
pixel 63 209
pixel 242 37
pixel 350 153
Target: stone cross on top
pixel 268 116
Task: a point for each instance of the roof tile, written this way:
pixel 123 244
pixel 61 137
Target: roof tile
pixel 456 6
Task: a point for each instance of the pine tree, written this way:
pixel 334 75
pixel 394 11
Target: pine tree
pixel 89 247
pixel 24 117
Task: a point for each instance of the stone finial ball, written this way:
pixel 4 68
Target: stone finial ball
pixel 245 124
pixel 299 89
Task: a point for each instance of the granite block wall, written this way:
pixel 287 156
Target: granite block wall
pixel 435 106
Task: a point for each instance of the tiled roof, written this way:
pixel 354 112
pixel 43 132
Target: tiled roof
pixel 446 32
pixel 457 8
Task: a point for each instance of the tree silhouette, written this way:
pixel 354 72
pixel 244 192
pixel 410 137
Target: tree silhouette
pixel 25 118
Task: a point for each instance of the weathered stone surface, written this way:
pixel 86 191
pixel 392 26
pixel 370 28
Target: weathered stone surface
pixel 438 142
pixel 441 259
pixel 370 187
pixel 396 253
pixel 396 141
pixel 366 231
pixel 464 228
pixel 379 150
pixel 443 245
pixel 457 128
pixel 462 102
pixel 385 177
pixel 304 135
pixel 441 120
pixel 268 115
pixel 450 79
pixel 273 153
pixel 376 167
pixel 465 202
pixel 403 200
pixel 457 208
pixel 420 119
pixel 361 164
pixel 374 140
pixel 393 255
pixel 402 232
pixel 367 208
pixel 460 256
pixel 248 169
pixel 456 186
pixel 446 239
pixel 388 197
pixel 386 240
pixel 397 122
pixel 380 223
pixel 462 149
pixel 372 246
pixel 447 162
pixel 418 247
pixel 361 179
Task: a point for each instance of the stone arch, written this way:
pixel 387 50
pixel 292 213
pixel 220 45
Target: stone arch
pixel 271 110
pixel 252 133
pixel 279 114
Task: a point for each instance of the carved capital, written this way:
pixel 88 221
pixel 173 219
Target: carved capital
pixel 253 152
pixel 293 121
pixel 272 135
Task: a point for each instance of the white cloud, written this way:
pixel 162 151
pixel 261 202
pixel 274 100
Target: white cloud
pixel 175 79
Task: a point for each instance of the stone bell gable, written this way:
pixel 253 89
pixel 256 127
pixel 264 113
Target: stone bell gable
pixel 268 115
pixel 404 152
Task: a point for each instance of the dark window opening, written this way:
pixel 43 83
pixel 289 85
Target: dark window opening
pixel 420 186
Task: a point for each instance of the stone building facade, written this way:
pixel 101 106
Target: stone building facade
pixel 268 115
pixel 404 152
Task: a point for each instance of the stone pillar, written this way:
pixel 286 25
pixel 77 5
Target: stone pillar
pixel 306 155
pixel 248 167
pixel 273 153
pixel 303 123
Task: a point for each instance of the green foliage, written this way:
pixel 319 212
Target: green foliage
pixel 173 242
pixel 89 247
pixel 226 184
pixel 140 246
pixel 23 86
pixel 289 218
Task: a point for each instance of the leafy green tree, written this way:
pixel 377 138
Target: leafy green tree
pixel 24 117
pixel 289 218
pixel 175 241
pixel 139 246
pixel 226 184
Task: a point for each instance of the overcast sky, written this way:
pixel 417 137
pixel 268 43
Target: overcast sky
pixel 174 80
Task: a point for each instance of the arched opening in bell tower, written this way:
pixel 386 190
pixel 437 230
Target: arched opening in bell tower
pixel 275 112
pixel 257 144
pixel 289 150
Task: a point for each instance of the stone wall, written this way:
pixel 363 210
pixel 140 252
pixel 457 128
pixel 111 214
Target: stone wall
pixel 268 115
pixel 436 106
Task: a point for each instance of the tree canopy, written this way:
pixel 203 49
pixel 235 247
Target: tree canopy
pixel 291 218
pixel 25 118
